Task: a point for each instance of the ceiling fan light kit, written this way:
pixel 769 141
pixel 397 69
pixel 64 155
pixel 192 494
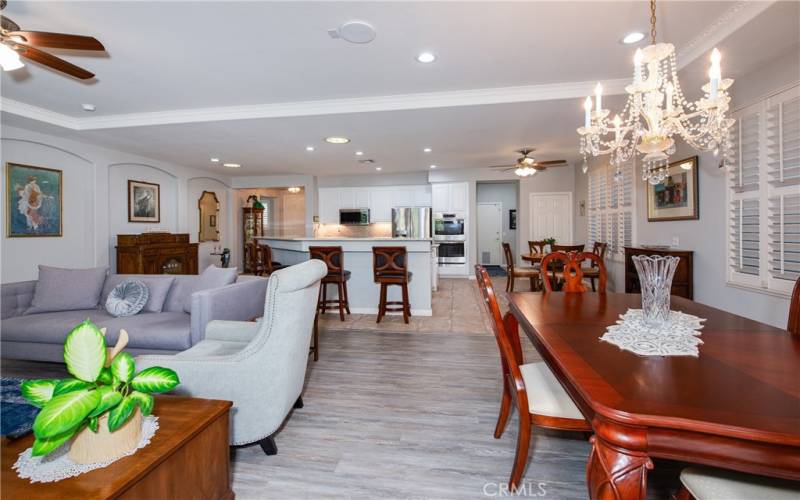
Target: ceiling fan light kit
pixel 527 165
pixel 656 111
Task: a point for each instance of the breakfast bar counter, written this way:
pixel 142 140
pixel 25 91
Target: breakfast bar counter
pixel 363 292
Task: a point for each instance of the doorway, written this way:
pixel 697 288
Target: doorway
pixel 490 226
pixel 496 218
pixel 551 217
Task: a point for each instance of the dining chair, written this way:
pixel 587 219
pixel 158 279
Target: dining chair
pixel 540 399
pixel 571 273
pixel 333 257
pixel 537 247
pixel 704 483
pixel 592 272
pixel 566 248
pixel 390 267
pixel 514 271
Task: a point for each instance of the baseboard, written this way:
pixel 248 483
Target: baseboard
pixel 369 310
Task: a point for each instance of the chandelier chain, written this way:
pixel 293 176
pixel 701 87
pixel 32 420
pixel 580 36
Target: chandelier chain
pixel 653 22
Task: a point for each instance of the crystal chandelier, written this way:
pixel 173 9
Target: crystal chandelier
pixel 657 110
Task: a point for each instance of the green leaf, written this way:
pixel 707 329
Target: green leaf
pixel 109 398
pixel 94 424
pixel 38 392
pixel 123 367
pixel 70 385
pixel 85 351
pixel 43 446
pixel 64 412
pixel 105 376
pixel 121 413
pixel 145 402
pixel 155 379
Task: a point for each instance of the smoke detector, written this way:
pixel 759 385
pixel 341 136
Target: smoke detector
pixel 354 32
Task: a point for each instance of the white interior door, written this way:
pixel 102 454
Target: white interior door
pixel 490 229
pixel 551 217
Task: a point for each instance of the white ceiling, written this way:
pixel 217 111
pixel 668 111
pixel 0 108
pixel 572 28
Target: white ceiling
pixel 169 62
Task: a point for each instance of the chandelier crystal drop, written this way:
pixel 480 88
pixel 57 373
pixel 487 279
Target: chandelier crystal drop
pixel 656 111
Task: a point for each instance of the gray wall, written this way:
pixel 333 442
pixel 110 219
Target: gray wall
pixel 707 236
pixel 504 193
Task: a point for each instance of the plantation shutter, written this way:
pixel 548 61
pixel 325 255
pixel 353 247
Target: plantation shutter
pixel 764 193
pixel 611 196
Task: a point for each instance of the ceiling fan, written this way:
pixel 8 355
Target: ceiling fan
pixel 16 43
pixel 527 165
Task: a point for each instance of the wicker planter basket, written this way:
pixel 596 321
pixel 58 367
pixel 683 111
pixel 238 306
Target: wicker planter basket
pixel 89 447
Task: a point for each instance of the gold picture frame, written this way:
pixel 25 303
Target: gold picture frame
pixel 677 197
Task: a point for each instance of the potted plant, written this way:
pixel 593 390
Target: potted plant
pixel 549 242
pixel 102 405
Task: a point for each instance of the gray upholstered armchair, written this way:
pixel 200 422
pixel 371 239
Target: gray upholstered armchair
pixel 259 366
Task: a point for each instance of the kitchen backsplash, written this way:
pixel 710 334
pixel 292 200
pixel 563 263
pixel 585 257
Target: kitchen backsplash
pixel 375 230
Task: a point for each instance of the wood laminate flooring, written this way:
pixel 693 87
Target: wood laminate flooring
pixel 405 414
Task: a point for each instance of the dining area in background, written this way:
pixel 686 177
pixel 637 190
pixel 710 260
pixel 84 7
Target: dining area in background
pixel 644 373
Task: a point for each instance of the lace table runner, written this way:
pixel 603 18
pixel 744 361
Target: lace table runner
pixel 676 337
pixel 57 465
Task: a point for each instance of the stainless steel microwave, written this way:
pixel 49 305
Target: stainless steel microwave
pixel 353 216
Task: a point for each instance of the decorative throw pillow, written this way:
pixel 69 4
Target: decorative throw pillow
pixel 212 277
pixel 127 298
pixel 61 289
pixel 157 285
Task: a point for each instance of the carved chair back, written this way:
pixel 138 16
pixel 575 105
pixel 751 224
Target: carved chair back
pixel 389 262
pixel 571 271
pixel 509 256
pixel 333 257
pixel 794 311
pixel 599 249
pixel 266 259
pixel 510 348
pixel 537 247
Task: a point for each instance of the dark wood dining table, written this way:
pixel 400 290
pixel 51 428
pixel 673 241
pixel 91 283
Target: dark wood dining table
pixel 735 406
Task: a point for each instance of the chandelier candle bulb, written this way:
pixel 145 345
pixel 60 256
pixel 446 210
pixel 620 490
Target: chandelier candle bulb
pixel 587 106
pixel 715 73
pixel 598 95
pixel 617 125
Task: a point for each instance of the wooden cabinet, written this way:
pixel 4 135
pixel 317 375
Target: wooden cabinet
pixel 156 253
pixel 252 226
pixel 682 283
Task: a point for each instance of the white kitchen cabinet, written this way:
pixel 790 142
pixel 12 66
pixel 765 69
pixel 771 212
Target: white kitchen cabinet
pixel 440 197
pixel 328 205
pixel 458 197
pixel 347 197
pixel 380 205
pixel 362 197
pixel 402 196
pixel 422 196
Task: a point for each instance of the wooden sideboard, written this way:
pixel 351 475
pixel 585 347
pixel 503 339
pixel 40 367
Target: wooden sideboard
pixel 682 283
pixel 156 253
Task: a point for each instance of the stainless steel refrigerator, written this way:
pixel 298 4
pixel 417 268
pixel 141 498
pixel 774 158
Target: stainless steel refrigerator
pixel 411 222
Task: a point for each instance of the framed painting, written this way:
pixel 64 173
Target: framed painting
pixel 676 197
pixel 512 220
pixel 35 204
pixel 144 202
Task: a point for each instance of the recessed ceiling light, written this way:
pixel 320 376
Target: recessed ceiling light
pixel 231 165
pixel 214 160
pixel 427 150
pixel 426 57
pixel 433 166
pixel 309 148
pixel 359 153
pixel 378 169
pixel 633 37
pixel 88 107
pixel 337 140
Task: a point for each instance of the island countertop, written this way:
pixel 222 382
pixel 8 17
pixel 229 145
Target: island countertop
pixel 363 292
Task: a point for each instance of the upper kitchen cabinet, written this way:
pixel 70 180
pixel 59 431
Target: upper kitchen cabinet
pixel 347 198
pixel 450 197
pixel 363 198
pixel 422 196
pixel 328 202
pixel 380 205
pixel 403 196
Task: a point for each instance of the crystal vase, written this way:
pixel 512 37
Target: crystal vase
pixel 655 279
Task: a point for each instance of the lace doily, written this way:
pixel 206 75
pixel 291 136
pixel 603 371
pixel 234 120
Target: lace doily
pixel 676 337
pixel 57 465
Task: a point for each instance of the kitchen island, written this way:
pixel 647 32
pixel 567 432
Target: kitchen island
pixel 362 291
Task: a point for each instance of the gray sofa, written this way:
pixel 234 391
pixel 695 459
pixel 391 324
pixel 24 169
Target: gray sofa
pixel 40 336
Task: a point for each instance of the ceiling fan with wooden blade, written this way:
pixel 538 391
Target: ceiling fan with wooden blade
pixel 527 165
pixel 16 43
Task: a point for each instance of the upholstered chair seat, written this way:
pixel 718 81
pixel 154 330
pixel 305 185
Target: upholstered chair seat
pixel 546 396
pixel 713 484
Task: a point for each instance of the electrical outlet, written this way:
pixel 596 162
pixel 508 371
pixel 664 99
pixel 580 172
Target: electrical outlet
pixel 676 241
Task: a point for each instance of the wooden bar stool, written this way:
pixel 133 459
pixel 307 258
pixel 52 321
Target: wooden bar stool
pixel 268 265
pixel 333 257
pixel 390 267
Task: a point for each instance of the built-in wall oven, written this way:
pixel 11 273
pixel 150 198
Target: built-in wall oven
pixel 448 232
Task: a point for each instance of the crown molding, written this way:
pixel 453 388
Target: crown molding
pixel 429 100
pixel 731 20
